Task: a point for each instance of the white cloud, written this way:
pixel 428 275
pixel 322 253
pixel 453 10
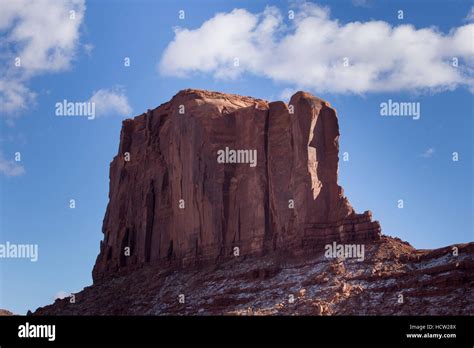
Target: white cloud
pixel 10 167
pixel 309 52
pixel 428 153
pixel 43 34
pixel 43 31
pixel 111 102
pixel 15 96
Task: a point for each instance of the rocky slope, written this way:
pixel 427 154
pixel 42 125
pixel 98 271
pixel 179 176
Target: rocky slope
pixel 189 229
pixel 394 279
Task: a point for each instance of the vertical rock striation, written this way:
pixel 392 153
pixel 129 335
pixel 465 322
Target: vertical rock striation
pixel 173 202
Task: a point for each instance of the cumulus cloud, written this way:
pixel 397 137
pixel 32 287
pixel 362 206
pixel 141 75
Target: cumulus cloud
pixel 111 102
pixel 317 52
pixel 37 37
pixel 10 167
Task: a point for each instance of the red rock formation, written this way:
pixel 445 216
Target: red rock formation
pixel 172 202
pixel 173 156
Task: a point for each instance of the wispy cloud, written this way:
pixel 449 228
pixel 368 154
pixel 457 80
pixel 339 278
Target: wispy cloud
pixel 361 3
pixel 15 96
pixel 10 168
pixel 88 48
pixel 287 93
pixel 428 153
pixel 311 51
pixel 470 15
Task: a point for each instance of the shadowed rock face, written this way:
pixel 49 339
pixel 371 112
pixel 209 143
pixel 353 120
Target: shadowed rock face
pixel 172 202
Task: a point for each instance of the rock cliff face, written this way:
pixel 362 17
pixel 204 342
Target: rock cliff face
pixel 179 207
pixel 179 197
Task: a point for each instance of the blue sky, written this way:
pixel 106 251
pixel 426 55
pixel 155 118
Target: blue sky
pixel 63 158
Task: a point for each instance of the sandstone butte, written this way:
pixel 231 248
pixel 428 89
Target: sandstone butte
pixel 185 234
